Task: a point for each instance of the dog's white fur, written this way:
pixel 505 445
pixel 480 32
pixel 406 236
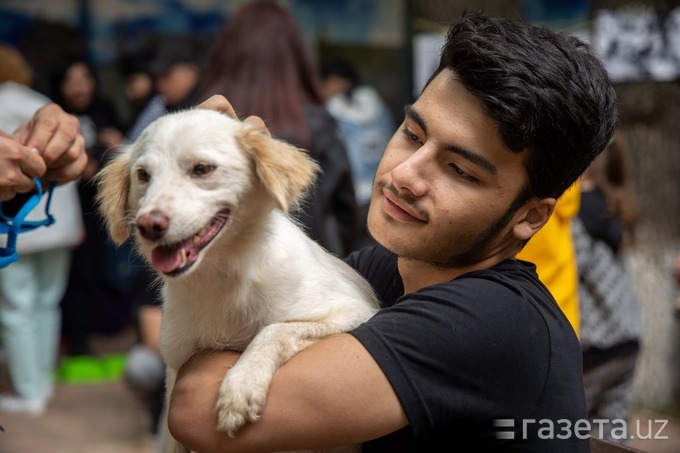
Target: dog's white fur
pixel 261 286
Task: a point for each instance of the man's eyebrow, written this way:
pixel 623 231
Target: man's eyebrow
pixel 472 156
pixel 410 112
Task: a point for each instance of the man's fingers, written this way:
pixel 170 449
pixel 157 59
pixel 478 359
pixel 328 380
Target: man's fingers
pixel 62 153
pixel 17 160
pixel 219 103
pixel 258 123
pixel 52 144
pixel 18 167
pixel 31 164
pixel 19 183
pixel 39 130
pixel 70 166
pixel 50 131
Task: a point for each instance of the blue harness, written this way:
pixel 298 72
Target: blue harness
pixel 13 226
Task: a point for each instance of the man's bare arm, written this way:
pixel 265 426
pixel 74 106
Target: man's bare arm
pixel 332 393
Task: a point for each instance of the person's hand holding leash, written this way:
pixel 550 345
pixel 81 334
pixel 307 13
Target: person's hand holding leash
pixel 18 166
pixel 55 135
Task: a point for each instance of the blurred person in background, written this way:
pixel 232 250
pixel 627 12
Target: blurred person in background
pixel 176 72
pixel 262 63
pixel 75 88
pixel 611 319
pixel 138 84
pixel 365 125
pixel 32 287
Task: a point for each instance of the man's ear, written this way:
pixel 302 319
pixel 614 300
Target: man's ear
pixel 534 215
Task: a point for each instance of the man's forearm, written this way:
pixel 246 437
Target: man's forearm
pixel 332 393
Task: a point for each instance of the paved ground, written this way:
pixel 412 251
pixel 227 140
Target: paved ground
pixel 105 418
pixel 101 418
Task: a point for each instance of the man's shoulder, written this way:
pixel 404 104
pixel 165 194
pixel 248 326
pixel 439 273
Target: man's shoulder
pixel 511 279
pixel 508 299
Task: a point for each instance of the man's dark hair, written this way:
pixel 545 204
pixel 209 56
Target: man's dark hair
pixel 547 92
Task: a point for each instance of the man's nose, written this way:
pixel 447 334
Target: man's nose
pixel 414 174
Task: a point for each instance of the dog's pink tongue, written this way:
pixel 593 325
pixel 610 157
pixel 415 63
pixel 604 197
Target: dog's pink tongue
pixel 166 259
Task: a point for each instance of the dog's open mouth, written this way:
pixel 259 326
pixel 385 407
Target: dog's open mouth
pixel 174 259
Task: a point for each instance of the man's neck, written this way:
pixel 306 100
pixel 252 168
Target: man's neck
pixel 419 274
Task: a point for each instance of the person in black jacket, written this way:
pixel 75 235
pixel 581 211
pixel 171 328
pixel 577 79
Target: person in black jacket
pixel 261 62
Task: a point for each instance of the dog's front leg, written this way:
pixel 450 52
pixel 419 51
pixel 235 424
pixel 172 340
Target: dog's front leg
pixel 243 391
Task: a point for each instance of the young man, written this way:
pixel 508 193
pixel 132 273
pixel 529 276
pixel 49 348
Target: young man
pixel 470 352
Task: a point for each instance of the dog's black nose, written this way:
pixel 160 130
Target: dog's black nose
pixel 153 225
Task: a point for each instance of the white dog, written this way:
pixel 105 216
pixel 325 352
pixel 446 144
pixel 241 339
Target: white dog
pixel 205 198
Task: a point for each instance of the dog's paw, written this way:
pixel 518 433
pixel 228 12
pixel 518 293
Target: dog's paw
pixel 239 401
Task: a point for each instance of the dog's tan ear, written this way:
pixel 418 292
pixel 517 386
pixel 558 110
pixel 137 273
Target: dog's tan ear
pixel 113 185
pixel 284 170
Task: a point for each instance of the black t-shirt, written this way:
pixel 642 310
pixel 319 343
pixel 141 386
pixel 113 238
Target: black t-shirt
pixel 486 356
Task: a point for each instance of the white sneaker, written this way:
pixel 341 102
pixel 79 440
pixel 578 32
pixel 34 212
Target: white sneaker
pixel 17 404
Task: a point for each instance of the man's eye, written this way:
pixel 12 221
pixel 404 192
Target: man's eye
pixel 143 175
pixel 410 136
pixel 462 174
pixel 203 169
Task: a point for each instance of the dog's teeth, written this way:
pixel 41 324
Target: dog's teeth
pixel 183 255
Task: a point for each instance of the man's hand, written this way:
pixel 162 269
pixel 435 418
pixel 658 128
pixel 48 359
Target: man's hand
pixel 221 104
pixel 18 166
pixel 55 135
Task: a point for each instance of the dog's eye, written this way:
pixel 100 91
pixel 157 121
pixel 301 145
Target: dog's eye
pixel 203 169
pixel 142 175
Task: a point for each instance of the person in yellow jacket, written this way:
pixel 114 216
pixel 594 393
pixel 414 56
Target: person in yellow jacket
pixel 552 250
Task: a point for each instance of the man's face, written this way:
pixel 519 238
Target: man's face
pixel 445 188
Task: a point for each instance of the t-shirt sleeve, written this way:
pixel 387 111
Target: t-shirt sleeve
pixel 455 354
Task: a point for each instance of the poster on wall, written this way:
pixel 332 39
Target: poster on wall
pixel 638 44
